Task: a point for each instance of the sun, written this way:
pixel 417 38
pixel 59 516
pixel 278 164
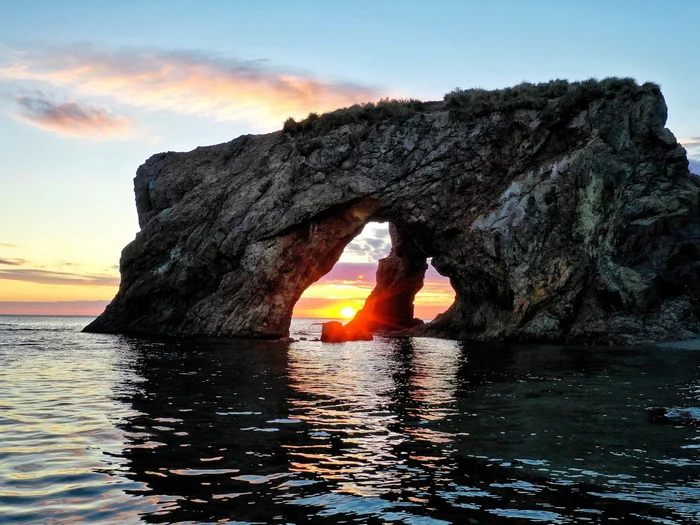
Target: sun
pixel 348 312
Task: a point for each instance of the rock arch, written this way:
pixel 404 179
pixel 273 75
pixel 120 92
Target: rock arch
pixel 560 212
pixel 400 275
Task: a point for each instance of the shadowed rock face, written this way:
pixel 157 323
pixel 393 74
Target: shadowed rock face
pixel 570 218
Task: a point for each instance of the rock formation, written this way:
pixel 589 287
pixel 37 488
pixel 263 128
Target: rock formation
pixel 335 332
pixel 560 211
pixel 399 278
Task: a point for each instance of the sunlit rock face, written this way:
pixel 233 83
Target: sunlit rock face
pixel 560 212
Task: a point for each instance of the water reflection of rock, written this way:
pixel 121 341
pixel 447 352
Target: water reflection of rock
pixel 384 431
pixel 399 424
pixel 212 423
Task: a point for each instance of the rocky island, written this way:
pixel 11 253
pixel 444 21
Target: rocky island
pixel 561 212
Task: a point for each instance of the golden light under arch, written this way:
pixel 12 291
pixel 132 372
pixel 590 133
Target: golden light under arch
pixel 353 277
pixel 348 312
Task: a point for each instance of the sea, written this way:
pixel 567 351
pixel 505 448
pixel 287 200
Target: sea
pixel 113 429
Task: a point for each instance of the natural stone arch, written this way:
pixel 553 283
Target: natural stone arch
pixel 560 212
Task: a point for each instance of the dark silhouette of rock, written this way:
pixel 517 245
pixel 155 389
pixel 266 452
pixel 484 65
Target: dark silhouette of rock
pixel 560 212
pixel 335 332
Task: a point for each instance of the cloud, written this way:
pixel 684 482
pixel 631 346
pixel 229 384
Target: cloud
pixel 368 249
pixel 363 274
pixel 90 308
pixel 692 146
pixel 61 278
pixel 186 82
pixel 435 297
pixel 73 119
pixel 8 245
pixel 12 262
pixel 349 280
pixel 694 166
pixel 320 307
pixel 349 273
pixel 372 244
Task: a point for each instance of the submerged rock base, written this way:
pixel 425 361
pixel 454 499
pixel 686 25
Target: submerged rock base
pixel 689 416
pixel 561 212
pixel 335 332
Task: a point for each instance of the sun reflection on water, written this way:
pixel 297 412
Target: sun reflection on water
pixel 365 409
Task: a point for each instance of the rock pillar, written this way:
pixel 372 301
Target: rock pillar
pixel 399 278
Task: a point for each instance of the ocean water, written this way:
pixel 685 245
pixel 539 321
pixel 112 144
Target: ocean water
pixel 113 429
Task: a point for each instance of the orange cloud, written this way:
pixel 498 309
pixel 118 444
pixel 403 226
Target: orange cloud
pixel 186 82
pixel 62 278
pixel 73 119
pixel 77 290
pixel 318 307
pixel 91 308
pixel 349 284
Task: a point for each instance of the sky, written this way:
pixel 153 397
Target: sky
pixel 90 89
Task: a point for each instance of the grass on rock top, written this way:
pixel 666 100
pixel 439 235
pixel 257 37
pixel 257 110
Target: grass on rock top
pixel 558 99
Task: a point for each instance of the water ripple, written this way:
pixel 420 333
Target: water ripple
pixel 105 429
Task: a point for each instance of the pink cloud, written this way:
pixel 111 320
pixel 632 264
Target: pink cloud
pixel 88 308
pixel 365 274
pixel 357 274
pixel 73 119
pixel 49 277
pixel 185 82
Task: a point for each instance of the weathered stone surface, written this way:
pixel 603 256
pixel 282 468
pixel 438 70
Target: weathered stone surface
pixel 568 217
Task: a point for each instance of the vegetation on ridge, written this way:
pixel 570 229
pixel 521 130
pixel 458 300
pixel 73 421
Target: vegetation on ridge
pixel 395 110
pixel 557 98
pixel 560 97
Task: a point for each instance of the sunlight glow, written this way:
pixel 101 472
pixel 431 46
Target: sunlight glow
pixel 348 312
pixel 342 292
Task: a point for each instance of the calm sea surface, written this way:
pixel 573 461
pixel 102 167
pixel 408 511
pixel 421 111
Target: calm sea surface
pixel 111 429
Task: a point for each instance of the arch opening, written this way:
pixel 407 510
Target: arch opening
pixel 382 282
pixel 351 279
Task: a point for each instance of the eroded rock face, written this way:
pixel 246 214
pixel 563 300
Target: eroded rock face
pixel 577 220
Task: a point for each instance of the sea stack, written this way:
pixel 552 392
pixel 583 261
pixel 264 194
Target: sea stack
pixel 561 212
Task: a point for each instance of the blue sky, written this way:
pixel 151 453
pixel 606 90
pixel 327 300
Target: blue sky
pixel 81 107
